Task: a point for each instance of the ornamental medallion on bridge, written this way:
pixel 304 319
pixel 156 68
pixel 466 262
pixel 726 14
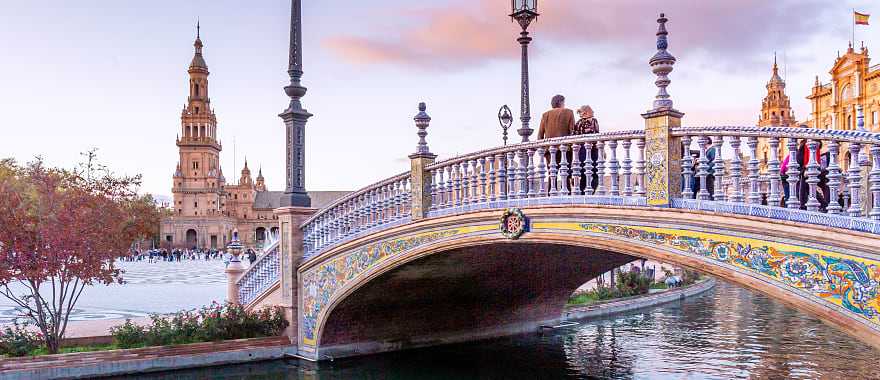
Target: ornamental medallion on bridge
pixel 513 223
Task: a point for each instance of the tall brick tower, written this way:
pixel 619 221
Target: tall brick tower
pixel 198 182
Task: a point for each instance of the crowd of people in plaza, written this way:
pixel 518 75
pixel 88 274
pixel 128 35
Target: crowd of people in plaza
pixel 560 122
pixel 193 254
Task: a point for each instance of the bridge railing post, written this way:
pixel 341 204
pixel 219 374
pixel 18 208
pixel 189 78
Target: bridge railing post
pixel 662 150
pixel 420 177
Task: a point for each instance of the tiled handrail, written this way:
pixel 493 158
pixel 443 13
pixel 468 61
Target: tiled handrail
pixel 261 275
pixel 381 203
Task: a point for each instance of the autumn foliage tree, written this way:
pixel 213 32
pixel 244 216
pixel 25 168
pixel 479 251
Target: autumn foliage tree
pixel 61 231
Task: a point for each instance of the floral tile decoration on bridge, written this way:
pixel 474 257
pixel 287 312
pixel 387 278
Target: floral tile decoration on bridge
pixel 846 281
pixel 320 283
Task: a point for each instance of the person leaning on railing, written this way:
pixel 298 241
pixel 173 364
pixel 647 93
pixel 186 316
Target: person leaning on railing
pixel 587 124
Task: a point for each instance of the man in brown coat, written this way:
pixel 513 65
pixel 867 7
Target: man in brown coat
pixel 556 122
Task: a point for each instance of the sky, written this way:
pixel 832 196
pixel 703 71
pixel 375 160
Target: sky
pixel 111 75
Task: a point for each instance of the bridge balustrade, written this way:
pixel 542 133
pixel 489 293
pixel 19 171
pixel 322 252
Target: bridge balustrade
pixel 845 189
pixel 261 275
pixel 374 207
pixel 560 167
pixel 845 186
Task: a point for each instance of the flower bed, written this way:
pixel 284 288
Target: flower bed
pixel 215 322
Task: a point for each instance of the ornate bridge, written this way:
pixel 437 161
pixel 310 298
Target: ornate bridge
pixel 494 242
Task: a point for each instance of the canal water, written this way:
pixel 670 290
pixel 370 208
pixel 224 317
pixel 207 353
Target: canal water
pixel 727 332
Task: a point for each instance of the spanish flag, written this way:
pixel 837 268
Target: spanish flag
pixel 861 18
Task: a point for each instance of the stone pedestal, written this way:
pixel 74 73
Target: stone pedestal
pixel 662 157
pixel 289 219
pixel 233 273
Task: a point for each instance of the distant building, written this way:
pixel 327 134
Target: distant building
pixel 854 82
pixel 205 208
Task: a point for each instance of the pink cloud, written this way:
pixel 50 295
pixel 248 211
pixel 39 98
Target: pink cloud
pixel 475 32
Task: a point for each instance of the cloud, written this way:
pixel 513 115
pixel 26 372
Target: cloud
pixel 475 32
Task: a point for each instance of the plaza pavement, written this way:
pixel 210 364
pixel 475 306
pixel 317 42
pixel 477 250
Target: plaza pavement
pixel 161 287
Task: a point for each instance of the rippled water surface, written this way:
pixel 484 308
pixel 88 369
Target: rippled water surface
pixel 728 332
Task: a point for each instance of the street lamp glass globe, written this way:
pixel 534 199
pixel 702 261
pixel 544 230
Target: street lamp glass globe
pixel 524 5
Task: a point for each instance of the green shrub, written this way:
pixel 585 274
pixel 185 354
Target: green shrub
pixel 17 340
pixel 632 283
pixel 128 335
pixel 210 323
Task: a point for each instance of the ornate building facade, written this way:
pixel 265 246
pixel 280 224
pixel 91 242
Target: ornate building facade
pixel 854 83
pixel 854 88
pixel 206 208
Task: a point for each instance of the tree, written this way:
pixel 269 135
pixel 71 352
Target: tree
pixel 60 232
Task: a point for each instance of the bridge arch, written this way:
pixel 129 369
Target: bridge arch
pixel 788 262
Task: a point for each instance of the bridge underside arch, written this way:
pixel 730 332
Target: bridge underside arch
pixel 457 278
pixel 463 294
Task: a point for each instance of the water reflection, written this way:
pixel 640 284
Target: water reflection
pixel 728 332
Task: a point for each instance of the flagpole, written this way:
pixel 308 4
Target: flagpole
pixel 853 26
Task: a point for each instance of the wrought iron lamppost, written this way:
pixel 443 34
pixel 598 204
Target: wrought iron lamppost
pixel 505 118
pixel 524 12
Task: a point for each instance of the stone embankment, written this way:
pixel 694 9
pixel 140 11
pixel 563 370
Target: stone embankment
pixel 638 302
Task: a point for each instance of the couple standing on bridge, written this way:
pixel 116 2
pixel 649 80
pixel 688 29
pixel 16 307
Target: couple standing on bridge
pixel 559 122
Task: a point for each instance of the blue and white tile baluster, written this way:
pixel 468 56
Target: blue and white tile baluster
pixel 563 170
pixel 554 171
pixel 736 194
pixel 613 168
pixel 483 176
pixel 718 169
pixel 639 167
pixel 812 176
pixel 492 189
pixel 521 174
pixel 450 188
pixel 754 171
pixel 436 192
pixel 874 182
pixel 703 169
pixel 834 178
pixel 502 176
pixel 626 168
pixel 687 164
pixel 542 172
pixel 601 189
pixel 775 197
pixel 576 169
pixel 855 181
pixel 511 175
pixel 457 184
pixel 472 166
pixel 793 175
pixel 589 166
pixel 530 173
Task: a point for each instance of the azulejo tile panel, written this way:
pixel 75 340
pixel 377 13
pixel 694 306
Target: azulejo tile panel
pixel 843 280
pixel 321 283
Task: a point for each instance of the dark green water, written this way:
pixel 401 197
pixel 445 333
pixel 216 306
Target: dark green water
pixel 728 332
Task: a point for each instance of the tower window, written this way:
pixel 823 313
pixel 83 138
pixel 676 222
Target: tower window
pixel 196 204
pixel 197 90
pixel 783 113
pixel 197 109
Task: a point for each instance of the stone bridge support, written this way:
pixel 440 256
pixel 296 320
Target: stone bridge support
pixel 290 218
